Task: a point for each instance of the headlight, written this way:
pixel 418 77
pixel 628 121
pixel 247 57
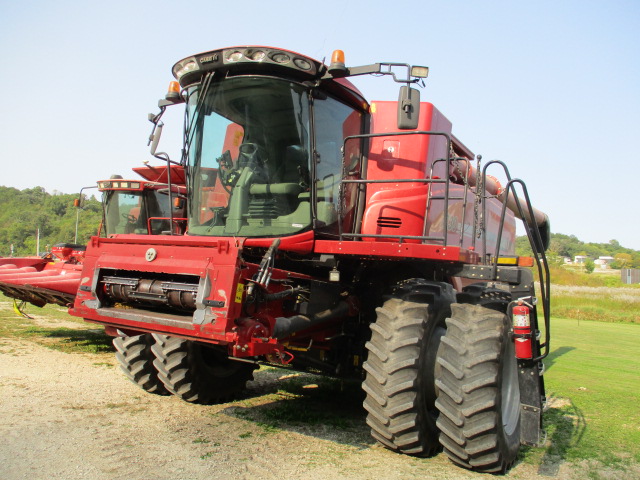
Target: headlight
pixel 257 55
pixel 234 56
pixel 302 64
pixel 280 57
pixel 184 67
pixel 419 72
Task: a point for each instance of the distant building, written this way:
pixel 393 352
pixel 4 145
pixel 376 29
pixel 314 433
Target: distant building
pixel 580 259
pixel 604 262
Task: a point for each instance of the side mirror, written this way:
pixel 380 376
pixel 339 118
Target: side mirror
pixel 155 137
pixel 408 108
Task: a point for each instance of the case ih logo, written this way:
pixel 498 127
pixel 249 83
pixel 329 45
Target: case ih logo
pixel 151 255
pixel 209 59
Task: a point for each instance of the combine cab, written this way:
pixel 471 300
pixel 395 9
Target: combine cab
pixel 330 234
pixel 144 207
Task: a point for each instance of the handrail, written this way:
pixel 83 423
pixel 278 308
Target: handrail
pixel 535 240
pixel 364 180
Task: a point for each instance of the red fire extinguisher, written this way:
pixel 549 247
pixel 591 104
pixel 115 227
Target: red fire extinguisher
pixel 522 331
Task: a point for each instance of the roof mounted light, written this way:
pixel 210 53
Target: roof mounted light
pixel 280 57
pixel 255 55
pixel 234 56
pixel 173 93
pixel 185 66
pixel 302 64
pixel 337 67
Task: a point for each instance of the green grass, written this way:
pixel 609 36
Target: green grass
pixel 201 440
pixel 86 338
pixel 594 373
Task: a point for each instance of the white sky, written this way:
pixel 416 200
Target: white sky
pixel 550 87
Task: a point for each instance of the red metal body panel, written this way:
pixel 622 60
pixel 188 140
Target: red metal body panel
pixel 216 260
pixel 404 157
pixel 398 208
pixel 222 276
pixel 300 243
pixel 159 174
pixel 397 250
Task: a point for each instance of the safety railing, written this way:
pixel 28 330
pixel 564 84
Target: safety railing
pixel 532 230
pixel 440 239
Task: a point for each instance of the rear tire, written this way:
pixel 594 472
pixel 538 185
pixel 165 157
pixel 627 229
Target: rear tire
pixel 199 373
pixel 136 361
pixel 400 367
pixel 479 394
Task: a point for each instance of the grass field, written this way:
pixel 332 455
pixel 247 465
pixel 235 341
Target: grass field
pixel 592 381
pixel 596 303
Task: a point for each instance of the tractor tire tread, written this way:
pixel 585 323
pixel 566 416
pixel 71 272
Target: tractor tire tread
pixel 392 383
pixel 135 359
pixel 469 387
pixel 184 372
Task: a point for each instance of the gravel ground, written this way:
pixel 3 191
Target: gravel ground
pixel 75 416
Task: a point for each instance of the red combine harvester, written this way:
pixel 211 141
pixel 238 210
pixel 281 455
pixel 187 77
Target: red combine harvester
pixel 334 235
pixel 129 206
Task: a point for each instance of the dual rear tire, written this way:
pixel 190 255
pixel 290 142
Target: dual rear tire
pixel 193 371
pixel 199 373
pixel 444 376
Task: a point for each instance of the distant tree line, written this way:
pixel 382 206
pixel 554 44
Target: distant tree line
pixel 24 212
pixel 569 246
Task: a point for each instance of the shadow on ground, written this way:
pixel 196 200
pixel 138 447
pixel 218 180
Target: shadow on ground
pixel 321 407
pixel 553 356
pixel 566 426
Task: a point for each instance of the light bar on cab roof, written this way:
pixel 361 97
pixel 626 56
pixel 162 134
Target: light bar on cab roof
pixel 185 66
pixel 247 58
pixel 118 185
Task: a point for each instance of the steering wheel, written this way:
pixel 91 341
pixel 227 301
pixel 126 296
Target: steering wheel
pixel 129 218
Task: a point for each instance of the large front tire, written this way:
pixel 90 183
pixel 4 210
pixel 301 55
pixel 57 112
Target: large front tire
pixel 400 367
pixel 479 395
pixel 136 361
pixel 199 373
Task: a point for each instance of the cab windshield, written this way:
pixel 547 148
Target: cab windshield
pixel 145 212
pixel 248 146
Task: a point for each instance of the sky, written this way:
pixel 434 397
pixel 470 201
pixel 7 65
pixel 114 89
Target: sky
pixel 552 88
